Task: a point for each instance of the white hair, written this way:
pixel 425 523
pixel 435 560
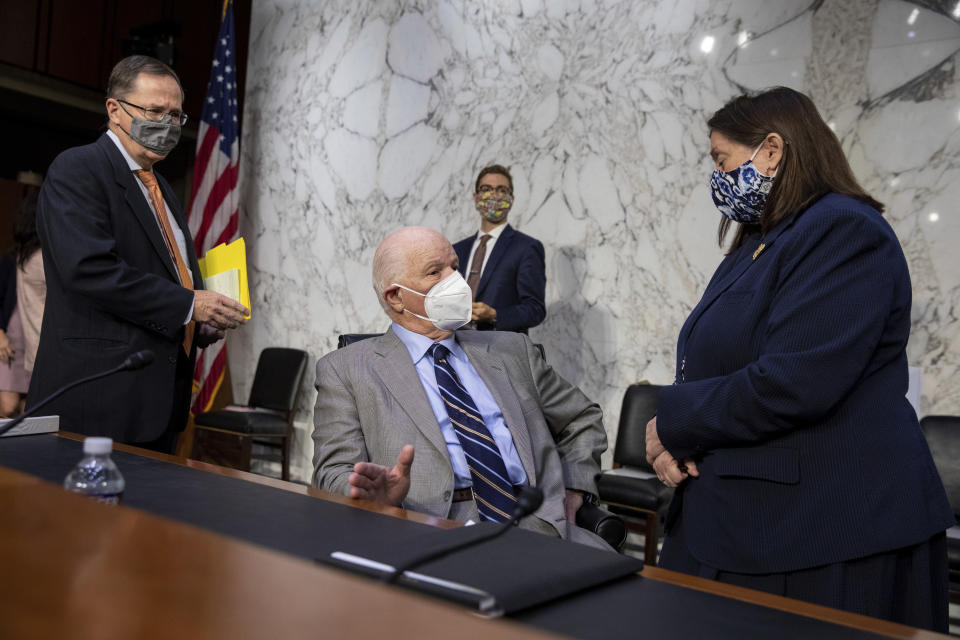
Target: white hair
pixel 391 261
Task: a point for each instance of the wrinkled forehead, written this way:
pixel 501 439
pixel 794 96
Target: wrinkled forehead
pixel 430 251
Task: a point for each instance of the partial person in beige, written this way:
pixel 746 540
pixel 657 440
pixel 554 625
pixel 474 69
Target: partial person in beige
pixel 31 283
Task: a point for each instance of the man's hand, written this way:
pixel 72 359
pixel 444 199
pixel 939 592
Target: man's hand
pixel 219 311
pixel 572 501
pixel 482 312
pixel 207 335
pixel 654 446
pixel 6 350
pixel 378 483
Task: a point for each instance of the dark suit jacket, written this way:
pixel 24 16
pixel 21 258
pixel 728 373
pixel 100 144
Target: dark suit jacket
pixel 792 376
pixel 513 282
pixel 112 289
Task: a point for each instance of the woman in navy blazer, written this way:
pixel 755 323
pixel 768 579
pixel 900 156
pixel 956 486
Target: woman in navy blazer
pixel 800 465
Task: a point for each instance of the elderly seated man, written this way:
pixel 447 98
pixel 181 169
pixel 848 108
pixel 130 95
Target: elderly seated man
pixel 449 422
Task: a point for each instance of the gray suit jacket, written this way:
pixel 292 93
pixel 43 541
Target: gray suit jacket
pixel 370 403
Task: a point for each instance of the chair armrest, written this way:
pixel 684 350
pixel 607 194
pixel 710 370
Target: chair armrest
pixel 608 526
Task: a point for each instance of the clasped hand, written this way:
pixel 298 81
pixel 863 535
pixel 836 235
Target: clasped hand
pixel 669 471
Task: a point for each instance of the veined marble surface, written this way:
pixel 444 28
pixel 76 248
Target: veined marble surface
pixel 361 117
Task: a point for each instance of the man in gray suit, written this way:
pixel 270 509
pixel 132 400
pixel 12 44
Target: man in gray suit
pixel 382 399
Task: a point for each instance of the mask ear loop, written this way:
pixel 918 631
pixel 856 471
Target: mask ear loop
pixel 755 152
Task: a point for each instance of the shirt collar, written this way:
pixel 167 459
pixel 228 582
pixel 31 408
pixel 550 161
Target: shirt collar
pixel 418 344
pixel 134 166
pixel 495 232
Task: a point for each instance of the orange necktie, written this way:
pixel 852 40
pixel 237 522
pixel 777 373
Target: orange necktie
pixel 150 182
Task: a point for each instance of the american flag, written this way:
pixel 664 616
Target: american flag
pixel 212 216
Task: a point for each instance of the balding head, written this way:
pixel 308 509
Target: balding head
pixel 417 258
pixel 396 254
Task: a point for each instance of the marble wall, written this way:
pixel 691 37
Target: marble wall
pixel 362 117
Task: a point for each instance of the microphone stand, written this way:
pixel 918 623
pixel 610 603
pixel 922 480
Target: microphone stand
pixel 529 500
pixel 136 361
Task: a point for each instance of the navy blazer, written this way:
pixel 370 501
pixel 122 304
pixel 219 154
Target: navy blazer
pixel 513 282
pixel 112 289
pixel 790 395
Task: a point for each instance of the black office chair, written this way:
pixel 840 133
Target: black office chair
pixel 631 488
pixel 608 526
pixel 943 436
pixel 266 419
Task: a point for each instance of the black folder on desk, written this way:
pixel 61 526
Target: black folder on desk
pixel 514 571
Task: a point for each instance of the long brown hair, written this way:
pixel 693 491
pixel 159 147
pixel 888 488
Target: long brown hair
pixel 812 165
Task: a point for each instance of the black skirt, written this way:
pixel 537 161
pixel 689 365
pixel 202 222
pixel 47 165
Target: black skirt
pixel 907 585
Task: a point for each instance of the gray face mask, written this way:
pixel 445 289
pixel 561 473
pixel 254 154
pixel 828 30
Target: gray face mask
pixel 159 137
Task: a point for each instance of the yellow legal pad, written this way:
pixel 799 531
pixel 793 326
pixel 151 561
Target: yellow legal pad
pixel 224 270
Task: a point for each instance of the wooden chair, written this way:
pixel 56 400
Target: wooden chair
pixel 227 436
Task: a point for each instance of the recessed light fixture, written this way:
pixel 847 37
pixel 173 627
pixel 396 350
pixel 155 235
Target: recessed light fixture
pixel 956 11
pixel 913 16
pixel 743 39
pixel 933 217
pixel 706 45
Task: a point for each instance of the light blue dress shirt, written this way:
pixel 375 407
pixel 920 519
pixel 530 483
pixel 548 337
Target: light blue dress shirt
pixel 418 345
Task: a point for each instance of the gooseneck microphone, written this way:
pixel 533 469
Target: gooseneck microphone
pixel 134 361
pixel 529 500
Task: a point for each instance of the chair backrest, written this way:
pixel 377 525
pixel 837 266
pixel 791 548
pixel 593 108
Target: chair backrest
pixel 943 436
pixel 639 405
pixel 349 338
pixel 278 377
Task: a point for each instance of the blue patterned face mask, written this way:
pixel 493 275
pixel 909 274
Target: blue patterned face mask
pixel 741 193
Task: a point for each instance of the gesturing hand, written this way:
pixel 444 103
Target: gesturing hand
pixel 380 484
pixel 217 310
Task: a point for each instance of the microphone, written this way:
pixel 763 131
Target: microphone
pixel 529 500
pixel 134 361
pixel 137 360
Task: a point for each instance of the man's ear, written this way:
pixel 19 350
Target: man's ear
pixel 393 298
pixel 112 108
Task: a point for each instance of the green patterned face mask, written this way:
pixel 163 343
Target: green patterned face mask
pixel 494 207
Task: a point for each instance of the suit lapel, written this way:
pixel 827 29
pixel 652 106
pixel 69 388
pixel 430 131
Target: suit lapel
pixel 138 203
pixel 462 250
pixel 492 370
pixel 715 289
pixel 499 250
pixel 396 370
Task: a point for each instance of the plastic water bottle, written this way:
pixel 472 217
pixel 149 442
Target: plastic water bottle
pixel 96 476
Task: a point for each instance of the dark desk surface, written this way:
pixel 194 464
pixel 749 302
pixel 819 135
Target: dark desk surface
pixel 289 518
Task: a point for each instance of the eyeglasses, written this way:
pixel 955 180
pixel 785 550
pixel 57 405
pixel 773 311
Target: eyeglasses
pixel 158 115
pixel 500 191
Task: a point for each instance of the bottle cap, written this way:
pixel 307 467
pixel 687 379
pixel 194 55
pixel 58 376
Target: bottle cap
pixel 97 446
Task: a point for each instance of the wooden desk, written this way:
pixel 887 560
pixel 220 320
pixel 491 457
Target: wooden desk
pixel 197 581
pixel 73 568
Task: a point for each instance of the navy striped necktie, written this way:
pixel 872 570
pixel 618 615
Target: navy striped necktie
pixel 491 484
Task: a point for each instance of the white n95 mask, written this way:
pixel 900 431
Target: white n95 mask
pixel 449 303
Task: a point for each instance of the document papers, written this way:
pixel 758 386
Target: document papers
pixel 224 270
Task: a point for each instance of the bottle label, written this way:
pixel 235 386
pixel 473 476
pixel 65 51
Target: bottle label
pixel 107 498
